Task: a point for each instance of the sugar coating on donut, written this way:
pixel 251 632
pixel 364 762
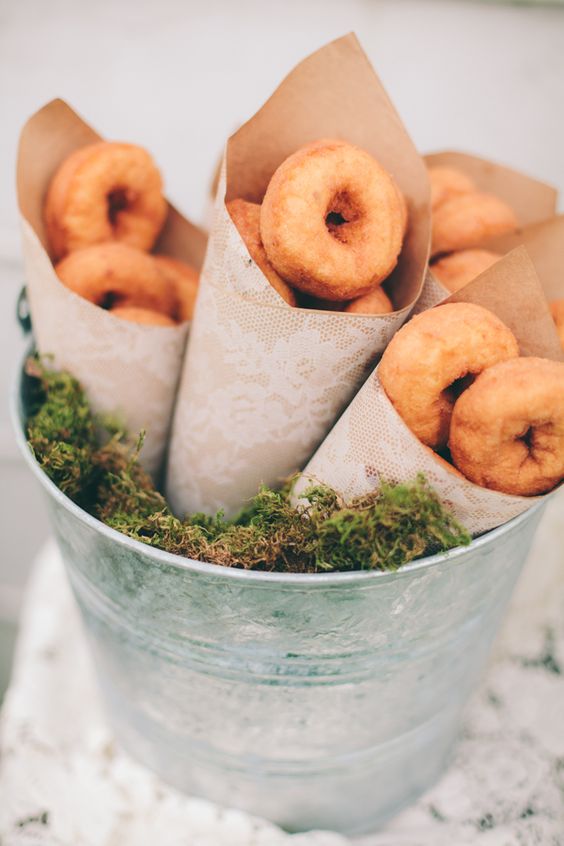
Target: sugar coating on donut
pixel 246 217
pixel 455 270
pixel 108 191
pixel 375 302
pixel 557 311
pixel 332 220
pixel 115 274
pixel 507 429
pixel 468 220
pixel 142 315
pixel 185 280
pixel 446 183
pixel 434 357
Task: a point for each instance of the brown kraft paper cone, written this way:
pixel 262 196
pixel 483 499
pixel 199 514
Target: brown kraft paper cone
pixel 371 442
pixel 263 382
pixel 126 368
pixel 531 200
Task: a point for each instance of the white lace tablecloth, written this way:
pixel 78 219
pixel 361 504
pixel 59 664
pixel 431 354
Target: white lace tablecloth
pixel 64 782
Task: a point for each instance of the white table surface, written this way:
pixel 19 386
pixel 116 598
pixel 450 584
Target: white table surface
pixel 64 782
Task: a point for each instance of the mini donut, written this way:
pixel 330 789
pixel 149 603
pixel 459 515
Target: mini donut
pixel 507 429
pixel 142 315
pixel 433 357
pixel 446 183
pixel 184 279
pixel 332 221
pixel 455 270
pixel 246 217
pixel 375 302
pixel 557 311
pixel 468 220
pixel 106 191
pixel 115 274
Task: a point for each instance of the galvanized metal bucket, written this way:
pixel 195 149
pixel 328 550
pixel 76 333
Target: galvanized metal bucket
pixel 318 701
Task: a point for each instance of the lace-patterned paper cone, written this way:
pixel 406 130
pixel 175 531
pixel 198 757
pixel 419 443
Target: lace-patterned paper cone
pixel 532 201
pixel 125 367
pixel 371 441
pixel 263 381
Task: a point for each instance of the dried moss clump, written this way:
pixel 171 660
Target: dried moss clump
pixel 95 465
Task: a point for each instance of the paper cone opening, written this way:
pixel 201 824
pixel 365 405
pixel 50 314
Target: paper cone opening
pixel 335 93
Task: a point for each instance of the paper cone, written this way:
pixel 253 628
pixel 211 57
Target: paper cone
pixel 263 382
pixel 125 367
pixel 371 442
pixel 531 200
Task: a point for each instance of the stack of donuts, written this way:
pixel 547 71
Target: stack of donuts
pixel 463 219
pixel 103 213
pixel 330 229
pixel 455 377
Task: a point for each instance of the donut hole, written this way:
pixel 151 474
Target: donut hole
pixel 528 438
pixel 118 201
pixel 109 300
pixel 453 391
pixel 340 212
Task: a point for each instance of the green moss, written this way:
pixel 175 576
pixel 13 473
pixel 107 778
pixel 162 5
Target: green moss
pixel 92 461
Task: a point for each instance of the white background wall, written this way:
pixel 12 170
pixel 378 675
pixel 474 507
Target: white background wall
pixel 179 76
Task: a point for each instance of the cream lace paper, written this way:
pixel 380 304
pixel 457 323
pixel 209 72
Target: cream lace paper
pixel 262 383
pixel 126 368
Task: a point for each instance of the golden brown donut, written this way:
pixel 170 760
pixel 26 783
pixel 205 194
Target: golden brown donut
pixel 185 280
pixel 115 274
pixel 468 220
pixel 375 302
pixel 142 315
pixel 246 217
pixel 557 311
pixel 507 429
pixel 332 221
pixel 446 183
pixel 455 270
pixel 105 192
pixel 433 357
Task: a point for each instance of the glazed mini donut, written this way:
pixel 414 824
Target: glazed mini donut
pixel 332 221
pixel 557 311
pixel 375 302
pixel 142 315
pixel 507 429
pixel 105 192
pixel 446 183
pixel 184 279
pixel 468 220
pixel 455 270
pixel 433 357
pixel 246 217
pixel 115 274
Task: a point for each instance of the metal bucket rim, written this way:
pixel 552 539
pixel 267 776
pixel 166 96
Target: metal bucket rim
pixel 161 556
